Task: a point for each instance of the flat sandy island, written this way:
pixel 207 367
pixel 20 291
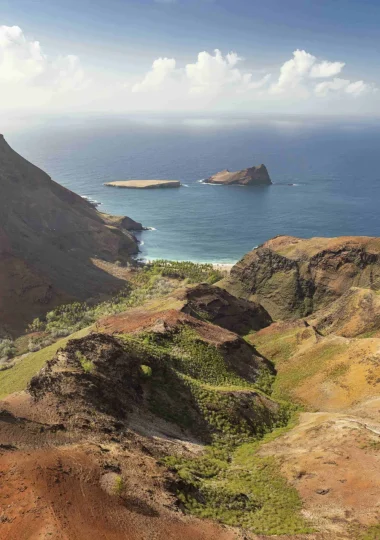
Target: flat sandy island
pixel 144 184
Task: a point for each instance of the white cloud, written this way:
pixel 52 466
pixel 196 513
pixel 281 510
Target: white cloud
pixel 19 59
pixel 293 72
pixel 220 81
pixel 297 78
pixel 28 75
pixel 30 78
pixel 326 69
pixel 162 68
pixel 211 73
pixel 355 89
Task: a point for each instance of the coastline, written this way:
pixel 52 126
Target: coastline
pixel 222 267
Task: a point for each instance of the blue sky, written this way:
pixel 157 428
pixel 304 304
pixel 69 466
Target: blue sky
pixel 116 41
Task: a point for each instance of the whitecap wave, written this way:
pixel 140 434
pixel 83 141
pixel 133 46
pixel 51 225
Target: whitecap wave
pixel 92 201
pixel 184 185
pixel 151 229
pixel 212 184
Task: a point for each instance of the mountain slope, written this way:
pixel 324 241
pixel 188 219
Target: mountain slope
pixel 293 277
pixel 48 236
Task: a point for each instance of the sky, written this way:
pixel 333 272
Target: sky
pixel 190 56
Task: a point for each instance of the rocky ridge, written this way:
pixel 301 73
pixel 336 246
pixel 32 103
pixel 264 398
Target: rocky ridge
pixel 252 176
pixel 293 277
pixel 48 238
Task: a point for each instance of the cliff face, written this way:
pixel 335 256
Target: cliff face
pixel 246 177
pixel 48 235
pixel 293 277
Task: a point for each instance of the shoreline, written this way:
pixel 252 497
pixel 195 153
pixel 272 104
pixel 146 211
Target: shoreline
pixel 222 267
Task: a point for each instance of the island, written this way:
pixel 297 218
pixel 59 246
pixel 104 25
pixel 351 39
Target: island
pixel 253 176
pixel 145 184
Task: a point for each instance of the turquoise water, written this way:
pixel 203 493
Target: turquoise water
pixel 332 168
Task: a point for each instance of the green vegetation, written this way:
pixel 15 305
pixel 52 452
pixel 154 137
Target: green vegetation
pixel 291 376
pixel 370 334
pixel 282 345
pixel 86 364
pixel 190 382
pixel 146 371
pixel 197 359
pixel 278 345
pixel 372 533
pixel 7 349
pixel 154 280
pixel 16 379
pixel 192 385
pixel 193 272
pixel 337 371
pixel 239 488
pixel 119 485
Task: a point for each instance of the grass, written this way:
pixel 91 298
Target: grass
pixel 190 384
pixel 279 345
pixel 239 488
pixel 146 371
pixel 86 364
pixel 16 378
pixel 335 372
pixel 294 368
pixel 7 349
pixel 154 280
pixel 291 375
pixel 372 533
pixel 193 272
pixel 119 485
pixel 188 355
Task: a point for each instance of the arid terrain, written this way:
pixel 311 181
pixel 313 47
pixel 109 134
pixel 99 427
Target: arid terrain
pixel 186 402
pixel 252 176
pixel 144 184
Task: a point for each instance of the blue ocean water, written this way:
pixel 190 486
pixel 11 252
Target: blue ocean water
pixel 326 177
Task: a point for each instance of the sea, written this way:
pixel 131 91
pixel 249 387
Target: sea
pixel 325 174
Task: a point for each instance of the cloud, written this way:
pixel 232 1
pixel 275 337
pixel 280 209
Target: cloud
pixel 355 89
pixel 220 81
pixel 297 78
pixel 26 70
pixel 293 72
pixel 326 69
pixel 162 68
pixel 211 74
pixel 30 78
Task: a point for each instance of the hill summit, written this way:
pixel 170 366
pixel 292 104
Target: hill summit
pixel 48 238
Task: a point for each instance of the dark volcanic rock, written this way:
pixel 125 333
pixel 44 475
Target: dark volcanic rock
pixel 219 307
pixel 253 176
pixel 293 277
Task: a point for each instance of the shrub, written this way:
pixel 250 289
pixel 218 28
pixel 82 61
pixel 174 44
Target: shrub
pixel 146 371
pixel 7 349
pixel 86 364
pixel 153 280
pixel 193 272
pixel 119 485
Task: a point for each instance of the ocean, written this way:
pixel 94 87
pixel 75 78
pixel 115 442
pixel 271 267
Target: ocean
pixel 325 173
